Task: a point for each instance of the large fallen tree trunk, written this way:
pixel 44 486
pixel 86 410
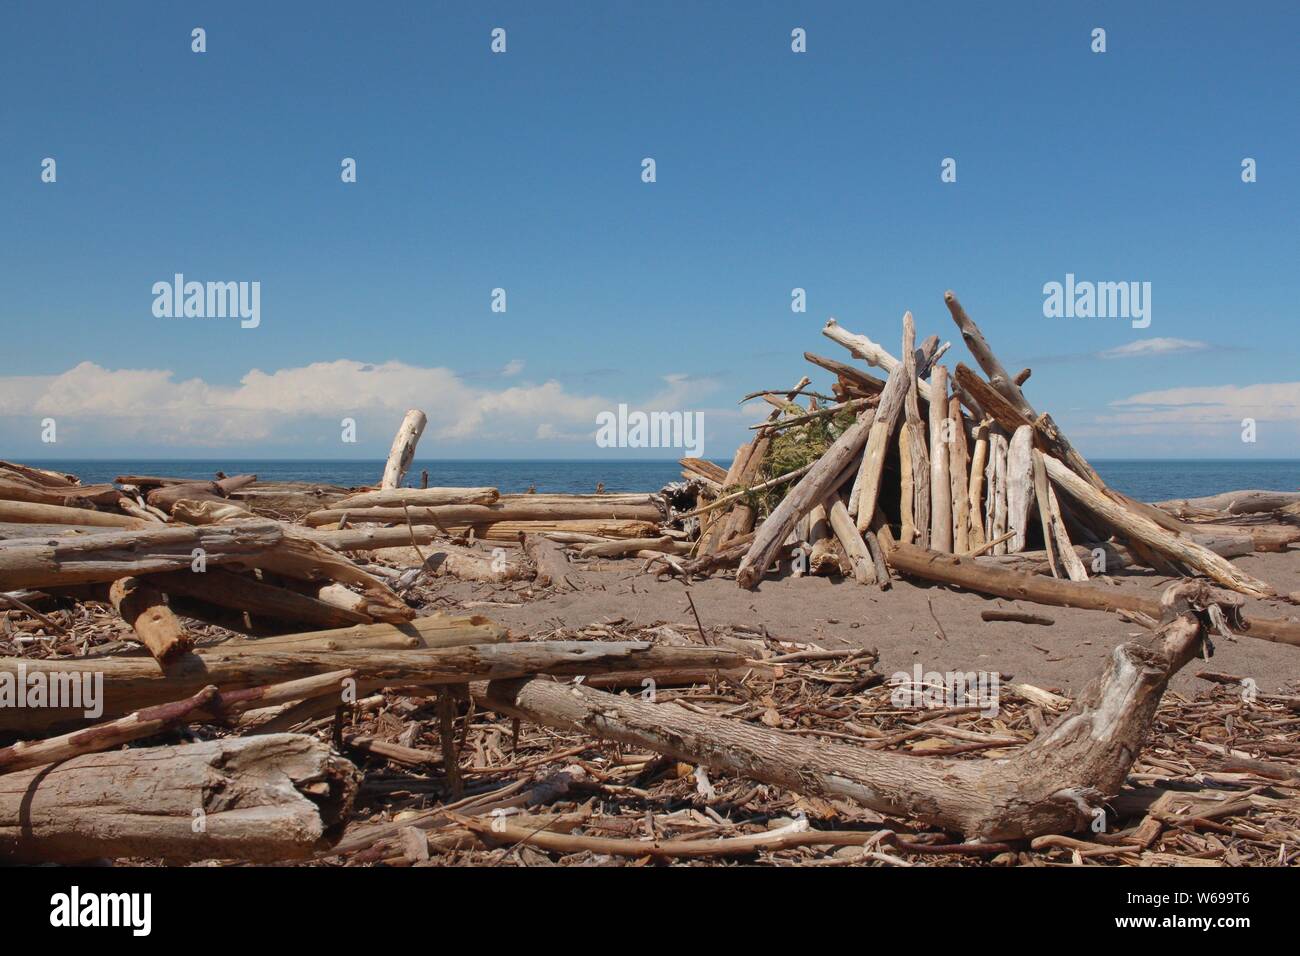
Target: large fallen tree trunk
pixel 37 562
pixel 1055 784
pixel 968 573
pixel 133 683
pixel 243 592
pixel 259 799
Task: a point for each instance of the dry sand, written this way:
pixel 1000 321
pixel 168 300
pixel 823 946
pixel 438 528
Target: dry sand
pixel 899 622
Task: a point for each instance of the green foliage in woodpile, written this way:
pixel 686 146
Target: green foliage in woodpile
pixel 792 448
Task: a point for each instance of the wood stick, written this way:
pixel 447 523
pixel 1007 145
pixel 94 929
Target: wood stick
pixel 979 462
pixel 1041 488
pixel 871 352
pixel 941 537
pixel 402 453
pixel 552 565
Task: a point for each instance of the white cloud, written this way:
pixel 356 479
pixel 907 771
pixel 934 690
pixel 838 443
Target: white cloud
pixel 1153 346
pixel 512 368
pixel 300 406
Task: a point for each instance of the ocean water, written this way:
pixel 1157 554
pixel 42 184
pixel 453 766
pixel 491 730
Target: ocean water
pixel 1146 480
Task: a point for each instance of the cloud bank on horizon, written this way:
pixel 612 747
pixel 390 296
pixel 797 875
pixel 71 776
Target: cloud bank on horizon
pixel 300 410
pixel 119 411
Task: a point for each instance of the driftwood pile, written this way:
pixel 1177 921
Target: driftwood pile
pixel 957 479
pixel 258 671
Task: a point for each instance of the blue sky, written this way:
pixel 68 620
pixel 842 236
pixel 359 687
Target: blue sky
pixel 522 171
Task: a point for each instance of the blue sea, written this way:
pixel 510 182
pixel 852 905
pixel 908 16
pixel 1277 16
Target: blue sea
pixel 1146 480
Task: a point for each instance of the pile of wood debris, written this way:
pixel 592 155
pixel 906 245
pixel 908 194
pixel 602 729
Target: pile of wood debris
pixel 257 671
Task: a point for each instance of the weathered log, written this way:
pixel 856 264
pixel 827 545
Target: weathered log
pixel 984 579
pixel 207 705
pixel 37 562
pixel 618 549
pixel 1231 502
pixel 551 562
pixel 873 353
pixel 298 555
pixel 846 533
pixel 17 487
pixel 959 482
pixel 996 479
pixel 1137 528
pixel 940 481
pixel 464 564
pixel 860 380
pixel 975 490
pixel 482 515
pixel 866 487
pixel 1044 509
pixel 1051 785
pixel 435 630
pixel 419 497
pixel 243 592
pixel 27 512
pixel 1020 486
pixel 144 608
pixel 914 444
pixel 258 799
pixel 134 683
pixel 166 497
pixel 402 453
pixel 702 468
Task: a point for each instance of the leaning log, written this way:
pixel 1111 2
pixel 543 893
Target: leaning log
pixel 1137 528
pixel 402 453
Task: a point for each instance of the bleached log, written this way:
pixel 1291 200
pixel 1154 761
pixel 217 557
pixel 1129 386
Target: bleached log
pixel 996 478
pixel 259 799
pixel 1232 502
pixel 482 515
pixel 419 497
pixel 39 562
pixel 26 512
pixel 975 491
pixel 551 562
pixel 940 482
pixel 402 453
pixel 1020 486
pixel 866 488
pixel 873 353
pixel 958 479
pixel 846 533
pixel 1044 509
